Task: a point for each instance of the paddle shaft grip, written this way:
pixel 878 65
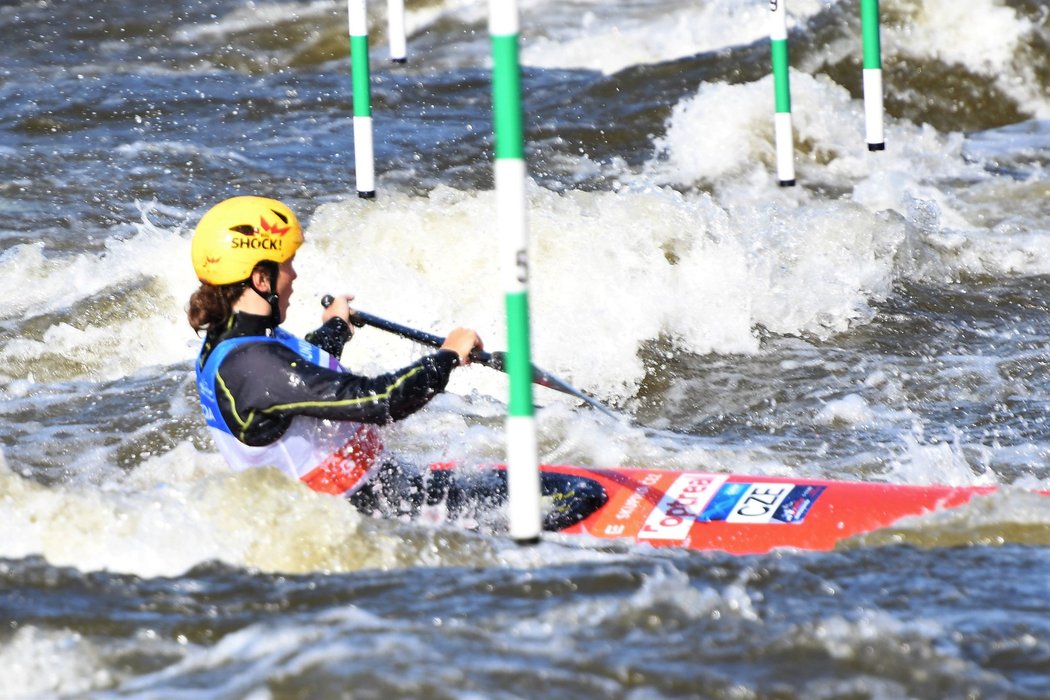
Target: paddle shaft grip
pixel 327 300
pixel 361 318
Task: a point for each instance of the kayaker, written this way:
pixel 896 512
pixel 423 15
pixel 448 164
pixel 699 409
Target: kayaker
pixel 270 398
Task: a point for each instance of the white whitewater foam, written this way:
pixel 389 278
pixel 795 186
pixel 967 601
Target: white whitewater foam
pixel 702 146
pixel 658 264
pixel 609 37
pixel 951 206
pixel 985 36
pixel 147 328
pixel 40 663
pixel 182 509
pixel 256 16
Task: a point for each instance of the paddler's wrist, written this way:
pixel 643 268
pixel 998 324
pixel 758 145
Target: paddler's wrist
pixel 340 325
pixel 451 357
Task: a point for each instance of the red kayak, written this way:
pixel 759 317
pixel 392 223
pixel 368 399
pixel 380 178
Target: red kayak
pixel 747 514
pixel 697 510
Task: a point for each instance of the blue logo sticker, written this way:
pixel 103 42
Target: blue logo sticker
pixel 724 502
pixel 797 504
pixel 728 502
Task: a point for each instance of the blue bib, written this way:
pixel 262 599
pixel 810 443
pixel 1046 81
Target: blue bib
pixel 206 374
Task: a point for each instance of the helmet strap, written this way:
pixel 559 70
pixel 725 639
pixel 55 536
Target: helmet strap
pixel 271 296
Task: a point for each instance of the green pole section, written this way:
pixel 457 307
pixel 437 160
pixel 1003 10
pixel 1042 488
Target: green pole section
pixel 518 359
pixel 361 82
pixel 506 98
pixel 869 21
pixel 781 87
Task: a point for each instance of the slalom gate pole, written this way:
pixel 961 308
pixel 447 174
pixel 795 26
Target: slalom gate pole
pixel 523 476
pixel 785 146
pixel 364 149
pixel 873 112
pixel 395 29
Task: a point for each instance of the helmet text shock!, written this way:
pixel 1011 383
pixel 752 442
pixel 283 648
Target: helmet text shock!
pixel 239 233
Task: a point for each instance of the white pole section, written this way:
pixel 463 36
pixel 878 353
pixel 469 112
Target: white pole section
pixel 364 151
pixel 523 476
pixel 873 112
pixel 785 144
pixel 395 29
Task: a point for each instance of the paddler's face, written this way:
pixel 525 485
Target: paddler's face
pixel 285 276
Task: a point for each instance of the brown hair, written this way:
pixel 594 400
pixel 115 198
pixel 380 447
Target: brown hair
pixel 210 305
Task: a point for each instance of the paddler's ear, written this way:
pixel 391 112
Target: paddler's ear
pixel 260 280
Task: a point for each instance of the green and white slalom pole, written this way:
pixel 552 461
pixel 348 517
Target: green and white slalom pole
pixel 873 112
pixel 785 144
pixel 395 29
pixel 523 478
pixel 364 149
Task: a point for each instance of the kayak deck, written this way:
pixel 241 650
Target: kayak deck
pixel 752 515
pixel 733 513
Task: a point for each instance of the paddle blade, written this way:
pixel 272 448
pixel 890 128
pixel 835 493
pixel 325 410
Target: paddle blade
pixel 497 360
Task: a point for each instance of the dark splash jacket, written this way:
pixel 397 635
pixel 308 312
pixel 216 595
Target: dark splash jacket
pixel 273 399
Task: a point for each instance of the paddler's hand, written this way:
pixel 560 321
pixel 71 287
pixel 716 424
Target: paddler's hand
pixel 462 341
pixel 339 308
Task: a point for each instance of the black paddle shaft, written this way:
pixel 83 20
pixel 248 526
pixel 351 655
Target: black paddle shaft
pixel 493 360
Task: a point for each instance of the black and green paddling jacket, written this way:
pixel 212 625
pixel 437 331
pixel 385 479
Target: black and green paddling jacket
pixel 266 385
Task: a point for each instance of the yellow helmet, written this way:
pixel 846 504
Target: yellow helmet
pixel 237 234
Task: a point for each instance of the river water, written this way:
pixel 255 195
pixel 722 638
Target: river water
pixel 886 320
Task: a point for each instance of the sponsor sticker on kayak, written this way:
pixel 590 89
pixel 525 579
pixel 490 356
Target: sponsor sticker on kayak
pixel 761 503
pixel 681 505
